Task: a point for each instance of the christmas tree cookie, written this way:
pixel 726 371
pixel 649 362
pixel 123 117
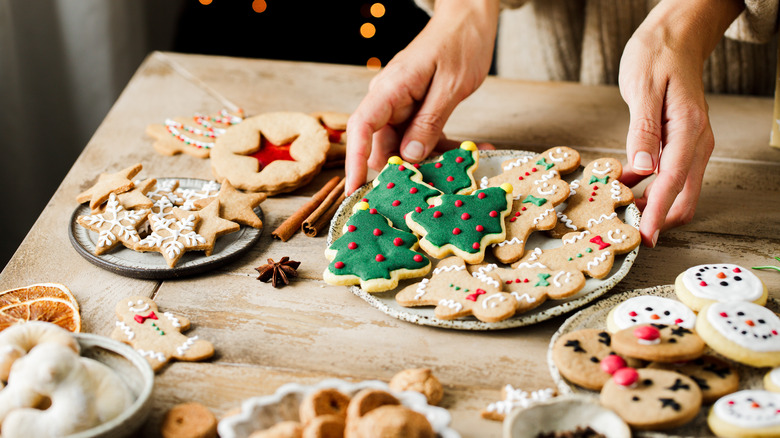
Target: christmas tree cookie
pixel 453 171
pixel 456 293
pixel 373 254
pixel 463 225
pixel 398 190
pixel 524 171
pixel 595 196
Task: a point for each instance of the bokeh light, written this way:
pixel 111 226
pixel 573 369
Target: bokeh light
pixel 373 63
pixel 378 10
pixel 205 2
pixel 258 6
pixel 367 30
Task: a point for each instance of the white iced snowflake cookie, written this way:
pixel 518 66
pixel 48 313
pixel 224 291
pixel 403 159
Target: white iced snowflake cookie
pixel 704 284
pixel 741 331
pixel 747 413
pixel 648 309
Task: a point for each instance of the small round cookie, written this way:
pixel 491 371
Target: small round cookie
pixel 578 356
pixel 704 284
pixel 420 380
pixel 748 413
pixel 741 331
pixel 189 420
pixel 651 399
pixel 772 380
pixel 649 309
pixel 284 429
pixel 325 426
pixel 658 342
pixel 327 401
pixel 715 377
pixel 272 152
pixel 393 421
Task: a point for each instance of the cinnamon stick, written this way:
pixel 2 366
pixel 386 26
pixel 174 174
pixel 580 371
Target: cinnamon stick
pixel 293 223
pixel 320 217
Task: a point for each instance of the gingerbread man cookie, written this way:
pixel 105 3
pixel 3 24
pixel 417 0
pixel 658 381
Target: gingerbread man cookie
pixel 595 196
pixel 456 293
pixel 524 171
pixel 156 335
pixel 194 136
pixel 453 171
pixel 591 251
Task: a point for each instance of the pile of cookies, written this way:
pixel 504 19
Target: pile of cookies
pixel 439 207
pixel 152 215
pixel 658 360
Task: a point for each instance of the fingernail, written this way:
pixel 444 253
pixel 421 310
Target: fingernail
pixel 643 161
pixel 655 237
pixel 414 150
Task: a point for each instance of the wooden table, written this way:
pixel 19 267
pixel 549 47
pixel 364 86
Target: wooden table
pixel 308 331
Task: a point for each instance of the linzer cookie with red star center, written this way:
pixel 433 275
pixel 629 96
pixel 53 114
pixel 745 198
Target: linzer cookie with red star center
pixel 336 125
pixel 271 152
pixel 704 284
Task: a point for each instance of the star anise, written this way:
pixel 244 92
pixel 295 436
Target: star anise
pixel 278 273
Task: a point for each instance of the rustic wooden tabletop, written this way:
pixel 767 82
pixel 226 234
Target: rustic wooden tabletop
pixel 308 331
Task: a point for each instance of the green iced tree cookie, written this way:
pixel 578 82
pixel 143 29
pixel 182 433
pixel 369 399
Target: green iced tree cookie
pixel 453 172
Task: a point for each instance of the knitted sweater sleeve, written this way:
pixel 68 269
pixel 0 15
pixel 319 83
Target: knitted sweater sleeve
pixel 757 23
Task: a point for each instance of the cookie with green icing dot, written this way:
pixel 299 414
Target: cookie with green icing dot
pixel 453 171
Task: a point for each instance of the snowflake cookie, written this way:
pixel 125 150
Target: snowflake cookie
pixel 114 225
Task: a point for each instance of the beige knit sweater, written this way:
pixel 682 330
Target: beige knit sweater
pixel 582 40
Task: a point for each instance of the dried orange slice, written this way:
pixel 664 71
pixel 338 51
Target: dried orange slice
pixel 49 302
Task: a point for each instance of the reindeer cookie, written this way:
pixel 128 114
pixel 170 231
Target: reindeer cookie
pixel 157 335
pixel 590 251
pixel 456 293
pixel 523 172
pixel 593 197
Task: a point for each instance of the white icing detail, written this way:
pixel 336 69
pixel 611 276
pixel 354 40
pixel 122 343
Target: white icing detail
pixel 181 349
pixel 188 197
pixel 176 128
pixel 449 268
pixel 126 329
pixel 658 306
pixel 573 186
pixel 614 190
pixel 122 222
pixel 655 341
pixel 421 288
pixel 452 304
pixel 144 306
pixel 547 176
pixel 746 324
pixel 750 409
pixel 543 215
pixel 601 172
pixel 483 183
pixel 535 254
pixel 595 221
pixel 174 320
pixel 530 266
pixel 546 192
pixel 557 159
pixel 159 357
pixel 528 299
pixel 575 238
pixel 747 288
pixel 513 241
pixel 517 398
pixel 489 300
pixel 598 260
pixel 562 218
pixel 482 276
pixel 517 163
pixel 556 279
pixel 169 243
pixel 611 236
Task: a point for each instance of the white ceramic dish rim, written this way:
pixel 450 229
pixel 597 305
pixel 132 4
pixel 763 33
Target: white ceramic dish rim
pixel 439 418
pixel 425 315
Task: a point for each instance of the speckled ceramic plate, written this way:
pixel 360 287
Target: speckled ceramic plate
pixel 259 413
pixel 565 413
pixel 489 165
pixel 595 316
pixel 151 265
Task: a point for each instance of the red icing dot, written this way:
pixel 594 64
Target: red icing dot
pixel 533 170
pixel 364 200
pixel 437 165
pixel 612 363
pixel 480 228
pixel 373 211
pixel 396 203
pixel 416 165
pixel 625 376
pixel 481 195
pixel 595 187
pixel 592 193
pixel 458 203
pixel 377 232
pixel 737 270
pixel 413 190
pixel 493 213
pixel 590 199
pixel 401 168
pixel 724 314
pixel 512 219
pixel 458 159
pixel 509 282
pixel 517 280
pixel 390 185
pixel 703 283
pixel 520 178
pixel 518 213
pixel 417 258
pixel 525 281
pixel 450 178
pixel 647 333
pixel 456 231
pixel 418 209
pixel 398 241
pixel 475 245
pixel 338 265
pixel 430 206
pixel 526 174
pixel 465 216
pixel 632 313
pixel 351 228
pixel 774 332
pixel 524 209
pixel 352 245
pixel 678 321
pixel 437 213
pixel 380 258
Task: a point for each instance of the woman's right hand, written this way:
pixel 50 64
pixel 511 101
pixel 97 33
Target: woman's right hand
pixel 410 100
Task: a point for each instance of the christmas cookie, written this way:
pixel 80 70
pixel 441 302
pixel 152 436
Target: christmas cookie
pixel 271 153
pixel 419 380
pixel 649 309
pixel 172 238
pixel 156 335
pixel 209 225
pixel 523 172
pixel 399 190
pixel 772 380
pixel 235 205
pixel 453 171
pixel 114 226
pixel 327 401
pixel 658 342
pixel 514 398
pixel 748 413
pixel 456 293
pixel 189 420
pixel 373 254
pixel 134 199
pixel 651 399
pixel 741 331
pixel 532 284
pixel 192 135
pixel 704 284
pixel 715 377
pixel 578 356
pixel 336 125
pixel 590 251
pixel 463 225
pixel 108 183
pixel 594 196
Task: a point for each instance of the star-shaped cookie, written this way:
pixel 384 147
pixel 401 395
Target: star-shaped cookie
pixel 136 198
pixel 172 238
pixel 108 183
pixel 210 225
pixel 114 225
pixel 235 205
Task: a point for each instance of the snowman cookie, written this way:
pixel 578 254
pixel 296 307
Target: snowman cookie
pixel 715 377
pixel 658 342
pixel 651 399
pixel 747 413
pixel 649 309
pixel 704 284
pixel 157 335
pixel 741 331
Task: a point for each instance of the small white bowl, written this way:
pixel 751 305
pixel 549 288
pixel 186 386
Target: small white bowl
pixel 263 412
pixel 134 370
pixel 565 413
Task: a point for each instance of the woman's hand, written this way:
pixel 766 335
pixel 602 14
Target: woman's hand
pixel 669 132
pixel 410 100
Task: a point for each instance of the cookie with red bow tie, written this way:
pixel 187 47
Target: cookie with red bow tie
pixel 157 335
